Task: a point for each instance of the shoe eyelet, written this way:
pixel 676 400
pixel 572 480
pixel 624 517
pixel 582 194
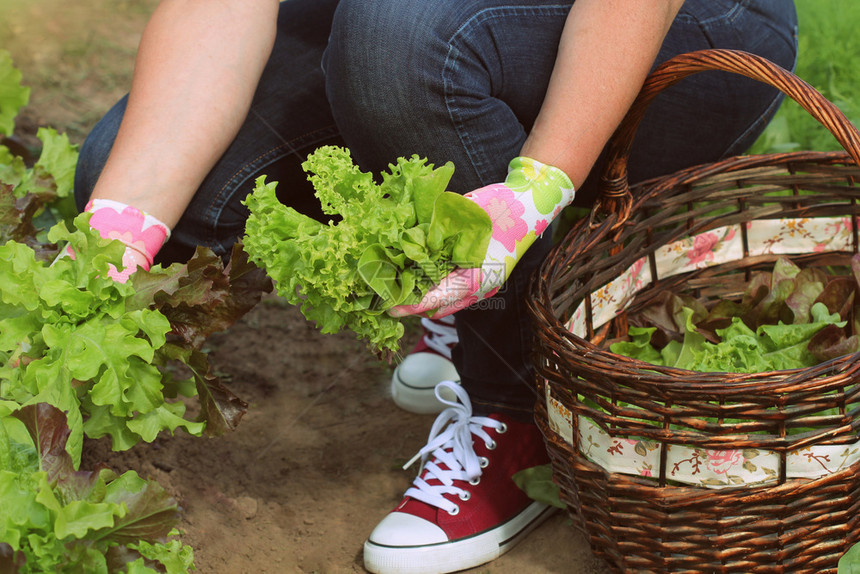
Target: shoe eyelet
pixel 491 445
pixel 454 511
pixel 465 495
pixel 484 462
pixel 475 481
pixel 503 428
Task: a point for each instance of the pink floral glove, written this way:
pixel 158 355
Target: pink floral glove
pixel 142 234
pixel 521 208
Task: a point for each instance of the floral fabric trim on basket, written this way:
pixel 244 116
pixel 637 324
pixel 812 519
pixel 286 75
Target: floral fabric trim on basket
pixel 685 464
pixel 710 468
pixel 721 245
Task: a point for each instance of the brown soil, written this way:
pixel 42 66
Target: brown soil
pixel 316 462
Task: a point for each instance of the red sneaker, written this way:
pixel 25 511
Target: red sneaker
pixel 463 510
pixel 429 363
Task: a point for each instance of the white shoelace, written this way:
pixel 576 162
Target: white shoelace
pixel 450 444
pixel 441 334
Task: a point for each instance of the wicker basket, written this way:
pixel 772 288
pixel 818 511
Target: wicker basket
pixel 670 470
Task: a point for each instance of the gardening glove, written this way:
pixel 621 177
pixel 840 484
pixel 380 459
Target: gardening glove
pixel 521 208
pixel 142 234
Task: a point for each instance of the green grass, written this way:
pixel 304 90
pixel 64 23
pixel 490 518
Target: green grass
pixel 829 59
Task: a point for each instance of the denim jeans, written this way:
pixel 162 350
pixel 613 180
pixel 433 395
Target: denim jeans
pixel 458 80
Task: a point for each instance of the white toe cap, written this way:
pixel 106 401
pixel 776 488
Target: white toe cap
pixel 401 529
pixel 426 370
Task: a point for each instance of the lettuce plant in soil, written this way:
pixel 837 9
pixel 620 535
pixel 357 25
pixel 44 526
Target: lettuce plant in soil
pixel 97 349
pixel 83 355
pixel 55 518
pixel 97 352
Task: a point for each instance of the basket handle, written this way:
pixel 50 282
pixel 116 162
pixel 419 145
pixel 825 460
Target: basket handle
pixel 615 197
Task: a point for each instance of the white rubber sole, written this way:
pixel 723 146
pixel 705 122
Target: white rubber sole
pixel 458 555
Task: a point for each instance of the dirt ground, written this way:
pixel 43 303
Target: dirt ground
pixel 316 462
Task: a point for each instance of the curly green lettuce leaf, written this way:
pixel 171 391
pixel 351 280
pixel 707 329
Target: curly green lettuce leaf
pixel 639 346
pixel 13 169
pixel 52 176
pixel 13 95
pixel 56 518
pixel 171 557
pixel 316 267
pixel 84 348
pixel 388 244
pixel 72 337
pixel 787 318
pixel 739 349
pixel 57 161
pixel 32 199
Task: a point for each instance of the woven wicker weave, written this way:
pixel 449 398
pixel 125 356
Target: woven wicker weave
pixel 654 524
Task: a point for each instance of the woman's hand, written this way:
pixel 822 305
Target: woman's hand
pixel 521 208
pixel 142 234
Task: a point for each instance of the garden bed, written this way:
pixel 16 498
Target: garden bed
pixel 315 462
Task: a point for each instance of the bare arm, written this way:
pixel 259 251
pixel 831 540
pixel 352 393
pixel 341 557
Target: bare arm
pixel 606 51
pixel 196 72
